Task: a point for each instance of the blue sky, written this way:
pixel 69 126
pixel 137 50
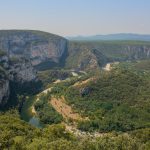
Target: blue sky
pixel 77 17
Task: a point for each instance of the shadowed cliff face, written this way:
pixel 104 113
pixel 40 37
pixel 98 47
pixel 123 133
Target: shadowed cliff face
pixel 4 91
pixel 14 69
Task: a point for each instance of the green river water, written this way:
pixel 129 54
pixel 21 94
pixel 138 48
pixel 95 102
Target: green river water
pixel 26 113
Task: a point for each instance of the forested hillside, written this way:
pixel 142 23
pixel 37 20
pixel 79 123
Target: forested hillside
pixel 16 134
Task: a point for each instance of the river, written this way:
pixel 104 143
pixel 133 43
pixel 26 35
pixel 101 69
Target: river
pixel 27 115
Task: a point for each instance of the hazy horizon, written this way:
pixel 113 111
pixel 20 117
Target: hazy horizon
pixel 77 18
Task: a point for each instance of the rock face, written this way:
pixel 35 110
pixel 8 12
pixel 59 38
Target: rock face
pixel 4 91
pixel 84 57
pixel 17 70
pixel 136 52
pixel 20 52
pixel 33 45
pixel 22 71
pixel 85 91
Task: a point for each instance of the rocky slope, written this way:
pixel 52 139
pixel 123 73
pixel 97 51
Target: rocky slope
pixel 83 57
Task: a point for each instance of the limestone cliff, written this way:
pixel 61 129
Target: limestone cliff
pixel 14 70
pixel 20 52
pixel 36 46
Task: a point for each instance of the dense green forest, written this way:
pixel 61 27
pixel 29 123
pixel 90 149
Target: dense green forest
pixel 117 101
pixel 16 134
pixel 46 113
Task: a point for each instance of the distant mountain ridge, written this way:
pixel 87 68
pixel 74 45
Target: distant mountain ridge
pixel 109 37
